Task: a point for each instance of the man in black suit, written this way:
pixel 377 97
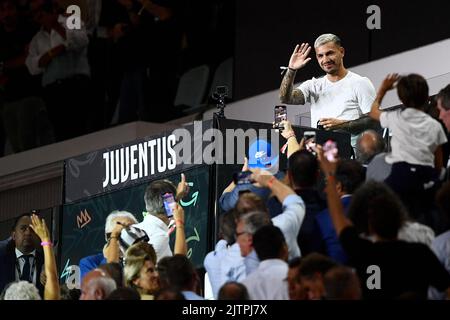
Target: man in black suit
pixel 21 257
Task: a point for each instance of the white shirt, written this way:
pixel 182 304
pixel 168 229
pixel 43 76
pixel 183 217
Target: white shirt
pixel 415 136
pixel 416 232
pixel 441 247
pixel 21 261
pixel 290 221
pixel 224 264
pixel 268 282
pixel 72 62
pixel 158 232
pixel 346 99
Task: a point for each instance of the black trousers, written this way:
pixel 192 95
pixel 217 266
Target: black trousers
pixel 416 185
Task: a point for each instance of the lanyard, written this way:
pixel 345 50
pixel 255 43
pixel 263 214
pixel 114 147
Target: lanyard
pixel 32 268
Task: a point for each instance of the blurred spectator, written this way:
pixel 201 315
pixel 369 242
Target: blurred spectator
pixel 69 294
pixel 140 271
pixel 21 258
pixel 303 173
pixel 248 202
pixel 412 231
pixel 169 294
pixel 290 220
pixel 417 140
pixel 115 271
pixel 312 271
pixel 233 291
pixel 368 145
pixel 96 285
pixel 349 176
pixel 441 245
pixel 404 274
pixel 342 283
pixel 124 293
pixel 409 231
pixel 23 113
pixel 178 272
pixel 114 224
pixel 234 194
pixel 156 220
pixel 443 105
pixel 295 288
pixel 370 153
pixel 22 290
pixel 149 40
pixel 267 282
pixel 162 19
pixel 225 263
pixel 60 55
pixel 51 289
pixel 246 226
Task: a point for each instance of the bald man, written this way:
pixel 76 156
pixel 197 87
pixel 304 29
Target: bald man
pixel 369 144
pixel 96 285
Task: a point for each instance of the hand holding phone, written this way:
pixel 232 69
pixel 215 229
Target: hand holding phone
pixel 280 115
pixel 242 177
pixel 330 150
pixel 310 140
pixel 169 203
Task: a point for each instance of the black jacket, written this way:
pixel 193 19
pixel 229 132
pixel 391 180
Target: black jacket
pixel 8 265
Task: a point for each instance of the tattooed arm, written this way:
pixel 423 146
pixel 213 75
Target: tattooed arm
pixel 298 60
pixel 288 94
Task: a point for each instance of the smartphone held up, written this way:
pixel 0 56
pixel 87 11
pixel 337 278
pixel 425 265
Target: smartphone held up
pixel 280 115
pixel 242 177
pixel 310 141
pixel 330 150
pixel 169 203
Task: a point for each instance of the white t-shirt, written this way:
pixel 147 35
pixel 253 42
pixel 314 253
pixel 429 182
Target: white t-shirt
pixel 346 99
pixel 415 136
pixel 158 232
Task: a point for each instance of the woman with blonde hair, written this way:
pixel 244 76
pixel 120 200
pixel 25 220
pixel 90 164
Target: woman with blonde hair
pixel 140 271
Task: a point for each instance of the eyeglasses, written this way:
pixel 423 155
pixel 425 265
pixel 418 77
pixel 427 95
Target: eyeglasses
pixel 237 234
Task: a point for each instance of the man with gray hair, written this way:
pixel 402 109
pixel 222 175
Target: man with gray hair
pixel 114 224
pixel 338 98
pixel 21 290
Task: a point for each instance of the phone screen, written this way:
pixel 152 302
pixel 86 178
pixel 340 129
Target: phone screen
pixel 280 115
pixel 169 203
pixel 330 150
pixel 310 140
pixel 242 177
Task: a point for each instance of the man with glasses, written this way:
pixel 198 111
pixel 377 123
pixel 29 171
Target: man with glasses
pixel 115 222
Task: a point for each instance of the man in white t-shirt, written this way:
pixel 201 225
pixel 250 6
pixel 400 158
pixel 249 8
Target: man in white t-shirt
pixel 337 98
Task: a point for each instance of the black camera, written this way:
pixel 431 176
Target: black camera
pixel 222 91
pixel 220 95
